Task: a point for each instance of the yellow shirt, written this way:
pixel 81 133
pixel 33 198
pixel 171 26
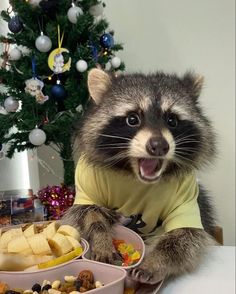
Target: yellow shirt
pixel 166 205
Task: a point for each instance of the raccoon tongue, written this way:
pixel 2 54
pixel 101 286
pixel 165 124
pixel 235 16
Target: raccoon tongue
pixel 148 167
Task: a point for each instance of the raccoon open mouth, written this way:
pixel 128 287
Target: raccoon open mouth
pixel 149 168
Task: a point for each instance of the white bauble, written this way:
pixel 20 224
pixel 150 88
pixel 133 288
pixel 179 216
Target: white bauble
pixel 11 104
pixel 43 43
pixel 96 10
pixel 73 13
pixel 34 3
pixel 3 110
pixel 15 54
pixel 37 137
pixel 115 62
pixel 81 65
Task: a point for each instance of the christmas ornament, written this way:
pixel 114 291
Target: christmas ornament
pixel 43 43
pixel 81 65
pixel 15 54
pixel 73 13
pixel 34 3
pixel 56 59
pixel 37 137
pixel 94 51
pixel 15 24
pixel 115 62
pixel 56 199
pixel 107 41
pixel 96 10
pixel 11 104
pixel 5 55
pixel 58 92
pixel 3 110
pixel 34 87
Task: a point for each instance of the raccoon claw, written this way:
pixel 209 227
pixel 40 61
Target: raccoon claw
pixel 140 275
pixel 102 256
pixel 145 276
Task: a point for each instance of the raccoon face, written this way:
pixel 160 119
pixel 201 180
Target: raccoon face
pixel 150 125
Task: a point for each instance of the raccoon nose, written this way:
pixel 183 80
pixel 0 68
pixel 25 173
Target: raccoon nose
pixel 157 146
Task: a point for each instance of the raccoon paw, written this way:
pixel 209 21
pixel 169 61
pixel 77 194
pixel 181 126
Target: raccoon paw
pixel 102 252
pixel 146 273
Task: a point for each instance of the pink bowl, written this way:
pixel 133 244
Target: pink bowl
pixel 129 236
pixel 112 277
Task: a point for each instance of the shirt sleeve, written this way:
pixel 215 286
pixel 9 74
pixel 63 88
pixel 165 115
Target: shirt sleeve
pixel 88 189
pixel 185 212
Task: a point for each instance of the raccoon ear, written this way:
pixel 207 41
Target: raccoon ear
pixel 98 83
pixel 194 83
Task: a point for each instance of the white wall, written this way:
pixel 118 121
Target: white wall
pixel 181 35
pixel 21 172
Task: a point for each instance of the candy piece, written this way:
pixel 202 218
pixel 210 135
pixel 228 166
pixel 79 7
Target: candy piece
pixel 135 256
pixel 127 251
pixel 129 291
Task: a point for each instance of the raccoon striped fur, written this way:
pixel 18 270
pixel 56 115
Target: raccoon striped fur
pixel 151 128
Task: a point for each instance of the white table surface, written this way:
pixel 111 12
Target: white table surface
pixel 216 275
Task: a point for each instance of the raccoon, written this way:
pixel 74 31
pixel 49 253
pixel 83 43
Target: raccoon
pixel 141 142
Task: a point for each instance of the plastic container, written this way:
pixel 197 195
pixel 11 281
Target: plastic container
pixel 112 277
pixel 129 236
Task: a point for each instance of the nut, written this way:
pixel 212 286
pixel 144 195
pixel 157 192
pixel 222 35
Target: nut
pixel 56 284
pixel 70 279
pixel 86 275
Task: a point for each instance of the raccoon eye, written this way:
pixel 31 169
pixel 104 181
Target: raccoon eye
pixel 172 120
pixel 133 120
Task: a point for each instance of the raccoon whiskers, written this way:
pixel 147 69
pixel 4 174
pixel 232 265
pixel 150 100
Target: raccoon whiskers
pixel 185 150
pixel 113 136
pixel 183 160
pixel 113 146
pixel 111 161
pixel 182 136
pixel 110 147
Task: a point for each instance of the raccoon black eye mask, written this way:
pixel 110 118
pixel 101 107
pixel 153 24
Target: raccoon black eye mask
pixel 141 141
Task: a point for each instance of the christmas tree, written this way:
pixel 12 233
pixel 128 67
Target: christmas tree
pixel 50 48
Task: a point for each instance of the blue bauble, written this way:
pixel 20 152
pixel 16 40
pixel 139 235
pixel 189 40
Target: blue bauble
pixel 107 41
pixel 15 24
pixel 58 92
